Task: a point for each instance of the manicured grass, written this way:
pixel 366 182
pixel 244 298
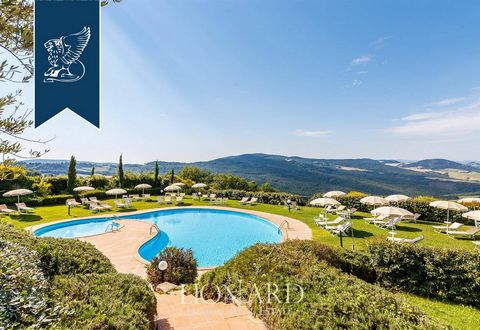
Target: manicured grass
pixel 363 232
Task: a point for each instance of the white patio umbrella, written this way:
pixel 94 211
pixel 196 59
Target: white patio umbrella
pixel 17 193
pixel 116 192
pixel 471 201
pixel 333 194
pixel 473 215
pixel 397 198
pixel 199 185
pixel 324 202
pixel 180 184
pixel 143 186
pixel 391 211
pixel 83 189
pixel 373 200
pixel 172 188
pixel 449 206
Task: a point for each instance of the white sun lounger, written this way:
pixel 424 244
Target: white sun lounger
pixel 405 240
pixel 72 202
pixel 21 207
pixel 470 232
pixel 180 200
pixel 5 209
pixel 453 226
pixel 252 201
pixel 379 218
pixel 120 204
pixel 342 229
pixel 244 200
pixel 333 224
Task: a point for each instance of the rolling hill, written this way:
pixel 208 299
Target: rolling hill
pixel 304 176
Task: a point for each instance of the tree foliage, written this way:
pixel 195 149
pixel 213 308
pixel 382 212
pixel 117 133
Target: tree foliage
pixel 72 174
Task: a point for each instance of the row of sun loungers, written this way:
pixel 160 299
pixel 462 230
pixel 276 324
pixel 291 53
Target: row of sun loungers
pixel 454 230
pixel 335 227
pixel 170 200
pixel 247 200
pixel 21 207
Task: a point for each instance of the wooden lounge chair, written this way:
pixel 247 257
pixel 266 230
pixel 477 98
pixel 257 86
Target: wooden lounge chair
pixel 405 240
pixel 252 201
pixel 453 226
pixel 470 232
pixel 5 209
pixel 72 202
pixel 21 207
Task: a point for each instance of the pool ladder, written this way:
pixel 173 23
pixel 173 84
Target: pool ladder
pixel 111 224
pixel 154 226
pixel 285 222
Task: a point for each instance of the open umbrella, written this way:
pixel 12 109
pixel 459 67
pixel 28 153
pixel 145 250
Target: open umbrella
pixel 473 215
pixel 470 201
pixel 373 200
pixel 397 198
pixel 143 186
pixel 116 192
pixel 17 193
pixel 199 185
pixel 324 202
pixel 83 189
pixel 449 206
pixel 180 184
pixel 172 187
pixel 391 211
pixel 334 194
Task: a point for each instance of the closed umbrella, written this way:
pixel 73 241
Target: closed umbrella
pixel 83 189
pixel 449 206
pixel 373 200
pixel 143 186
pixel 334 194
pixel 324 202
pixel 397 198
pixel 17 193
pixel 473 215
pixel 391 211
pixel 172 188
pixel 116 192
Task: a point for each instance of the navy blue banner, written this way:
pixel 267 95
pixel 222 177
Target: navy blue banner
pixel 67 59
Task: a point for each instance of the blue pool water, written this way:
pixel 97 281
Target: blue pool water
pixel 214 235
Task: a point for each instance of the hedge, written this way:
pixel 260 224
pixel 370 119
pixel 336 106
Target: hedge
pixel 275 198
pixel 447 274
pixel 332 299
pixel 105 301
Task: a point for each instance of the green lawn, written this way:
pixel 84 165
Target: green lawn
pixel 456 316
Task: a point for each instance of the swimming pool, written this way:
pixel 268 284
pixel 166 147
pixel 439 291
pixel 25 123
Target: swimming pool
pixel 214 235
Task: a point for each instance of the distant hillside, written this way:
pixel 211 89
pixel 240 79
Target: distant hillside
pixel 304 176
pixel 440 164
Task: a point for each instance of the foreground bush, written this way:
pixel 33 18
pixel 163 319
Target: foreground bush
pixel 447 274
pixel 331 300
pixel 105 301
pixel 60 256
pixel 182 267
pixel 24 290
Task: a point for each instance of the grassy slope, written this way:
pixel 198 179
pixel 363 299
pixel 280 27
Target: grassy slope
pixel 363 234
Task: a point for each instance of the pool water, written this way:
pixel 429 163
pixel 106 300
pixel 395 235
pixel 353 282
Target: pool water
pixel 214 235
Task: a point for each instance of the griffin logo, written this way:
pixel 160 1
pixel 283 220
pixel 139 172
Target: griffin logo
pixel 63 56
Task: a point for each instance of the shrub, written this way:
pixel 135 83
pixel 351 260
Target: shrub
pixel 447 274
pixel 24 290
pixel 105 301
pixel 331 299
pixel 182 267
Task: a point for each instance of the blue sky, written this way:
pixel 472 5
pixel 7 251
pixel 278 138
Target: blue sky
pixel 197 80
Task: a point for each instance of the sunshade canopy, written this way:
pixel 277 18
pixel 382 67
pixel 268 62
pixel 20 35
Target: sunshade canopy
pixel 324 202
pixel 397 198
pixel 333 194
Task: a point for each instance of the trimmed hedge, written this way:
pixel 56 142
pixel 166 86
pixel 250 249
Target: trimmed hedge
pixel 274 198
pixel 332 299
pixel 105 301
pixel 447 274
pixel 182 267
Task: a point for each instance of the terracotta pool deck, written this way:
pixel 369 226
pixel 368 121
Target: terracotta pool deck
pixel 176 310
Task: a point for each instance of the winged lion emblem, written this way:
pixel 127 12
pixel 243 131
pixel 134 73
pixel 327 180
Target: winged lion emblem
pixel 63 56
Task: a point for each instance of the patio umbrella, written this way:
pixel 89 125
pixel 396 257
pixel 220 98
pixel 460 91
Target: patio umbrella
pixel 172 188
pixel 373 200
pixel 116 192
pixel 83 189
pixel 473 215
pixel 324 202
pixel 199 185
pixel 333 194
pixel 143 186
pixel 180 184
pixel 391 211
pixel 447 205
pixel 397 198
pixel 470 201
pixel 17 193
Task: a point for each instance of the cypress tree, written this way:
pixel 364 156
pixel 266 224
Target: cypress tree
pixel 155 178
pixel 172 177
pixel 93 171
pixel 72 174
pixel 121 175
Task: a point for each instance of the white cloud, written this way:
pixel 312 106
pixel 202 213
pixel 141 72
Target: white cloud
pixel 312 134
pixel 380 42
pixel 461 121
pixel 362 60
pixel 448 102
pixel 356 83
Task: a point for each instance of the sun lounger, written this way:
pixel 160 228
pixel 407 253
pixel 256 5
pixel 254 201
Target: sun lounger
pixel 330 209
pixel 342 229
pixel 470 232
pixel 405 240
pixel 453 226
pixel 95 207
pixel 389 224
pixel 84 201
pixel 135 197
pixel 93 199
pixel 104 205
pixel 72 202
pixel 120 204
pixel 413 218
pixel 168 200
pixel 160 199
pixel 21 207
pixel 5 209
pixel 379 218
pixel 194 196
pixel 331 224
pixel 180 200
pixel 252 201
pixel 341 208
pixel 320 217
pixel 244 200
pixel 146 196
